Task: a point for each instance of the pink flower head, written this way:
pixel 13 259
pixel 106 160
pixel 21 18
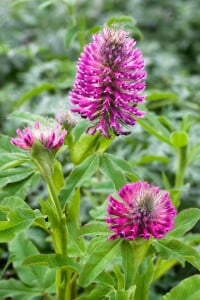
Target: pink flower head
pixel 108 83
pixel 51 136
pixel 142 211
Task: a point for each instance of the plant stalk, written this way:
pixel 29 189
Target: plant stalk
pixel 180 172
pixel 59 235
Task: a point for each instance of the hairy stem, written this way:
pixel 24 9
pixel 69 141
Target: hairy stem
pixel 59 235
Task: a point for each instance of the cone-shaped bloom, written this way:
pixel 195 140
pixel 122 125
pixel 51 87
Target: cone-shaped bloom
pixel 108 83
pixel 141 211
pixel 51 136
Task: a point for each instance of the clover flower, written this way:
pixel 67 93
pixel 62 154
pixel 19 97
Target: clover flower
pixel 108 83
pixel 142 211
pixel 51 136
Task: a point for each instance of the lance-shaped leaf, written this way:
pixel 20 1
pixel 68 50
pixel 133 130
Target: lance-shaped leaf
pixel 152 125
pixel 98 293
pixel 144 278
pixel 12 160
pixel 17 220
pixel 174 249
pixel 14 175
pixel 80 173
pixel 94 228
pixel 184 221
pixel 113 172
pixel 128 263
pixel 18 290
pixel 187 289
pixel 100 258
pixel 52 261
pixel 36 276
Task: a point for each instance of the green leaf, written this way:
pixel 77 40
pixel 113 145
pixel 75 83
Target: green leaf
pixel 52 261
pixel 3 212
pixel 153 158
pixel 84 147
pixel 18 220
pixel 12 160
pixel 14 202
pixel 184 221
pixel 121 164
pixel 57 177
pixel 160 95
pixel 9 261
pixel 46 86
pixel 17 290
pixel 20 188
pixel 162 266
pixel 113 172
pixel 121 19
pixel 121 295
pixel 179 139
pixel 152 125
pixel 128 263
pixel 156 99
pixel 7 147
pixel 49 211
pixel 94 228
pixel 99 259
pixel 125 295
pixel 141 248
pixel 73 211
pixel 94 242
pixel 105 278
pixel 174 249
pixel 99 212
pixel 143 279
pixel 98 293
pixel 76 244
pixel 46 4
pixel 188 289
pixel 14 175
pixel 194 153
pixel 80 173
pixel 32 275
pixel 79 130
pixel 71 34
pixel 26 117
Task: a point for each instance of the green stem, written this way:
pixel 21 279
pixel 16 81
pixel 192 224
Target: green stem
pixel 180 173
pixel 54 198
pixel 44 161
pixel 59 235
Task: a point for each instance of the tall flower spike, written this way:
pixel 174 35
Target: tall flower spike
pixel 51 136
pixel 143 211
pixel 108 83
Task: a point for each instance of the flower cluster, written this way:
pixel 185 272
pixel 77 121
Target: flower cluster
pixel 51 136
pixel 108 83
pixel 142 211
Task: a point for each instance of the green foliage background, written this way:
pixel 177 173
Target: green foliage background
pixel 40 42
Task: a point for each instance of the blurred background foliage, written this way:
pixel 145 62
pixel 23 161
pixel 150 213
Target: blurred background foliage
pixel 40 42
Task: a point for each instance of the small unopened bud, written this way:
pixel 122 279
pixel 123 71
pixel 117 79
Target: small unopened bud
pixel 66 119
